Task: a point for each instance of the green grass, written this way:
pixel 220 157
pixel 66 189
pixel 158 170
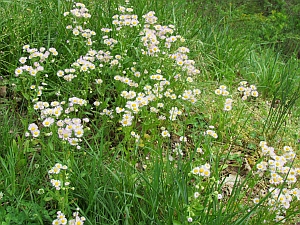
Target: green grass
pixel 175 155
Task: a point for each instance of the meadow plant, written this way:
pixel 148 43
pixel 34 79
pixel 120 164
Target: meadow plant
pixel 59 178
pixel 32 75
pixel 61 219
pixel 152 90
pixel 285 98
pixel 278 192
pixel 135 80
pixel 247 91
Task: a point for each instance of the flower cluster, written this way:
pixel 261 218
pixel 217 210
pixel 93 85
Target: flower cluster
pixel 278 172
pixel 156 39
pixel 126 80
pixel 276 165
pixel 228 104
pixel 174 112
pixel 150 18
pixel 127 119
pixel 222 91
pixel 182 60
pixel 152 35
pixel 80 11
pixel 211 133
pixel 135 135
pixel 190 95
pixel 68 129
pixel 203 170
pixel 36 58
pixel 280 200
pixel 59 183
pixel 177 149
pixel 247 90
pixel 111 42
pixel 67 74
pixel 33 128
pixel 77 220
pixel 62 220
pixel 123 19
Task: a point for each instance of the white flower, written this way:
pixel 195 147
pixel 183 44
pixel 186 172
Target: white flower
pixel 32 127
pixel 99 81
pixel 183 139
pixel 165 133
pixel 200 150
pixel 36 133
pixel 227 107
pixel 48 122
pixel 196 194
pixel 97 103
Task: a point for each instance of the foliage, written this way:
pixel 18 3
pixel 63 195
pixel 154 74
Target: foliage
pixel 144 112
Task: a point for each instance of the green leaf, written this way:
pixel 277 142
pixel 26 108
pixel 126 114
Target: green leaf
pixel 224 166
pixel 21 163
pixel 47 199
pixel 175 222
pixel 199 207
